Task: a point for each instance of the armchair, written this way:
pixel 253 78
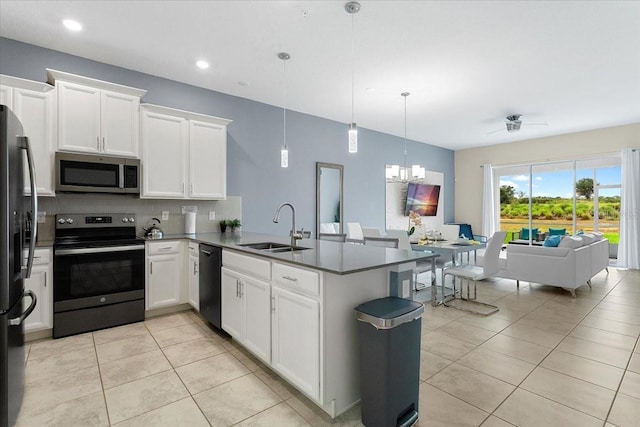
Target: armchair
pixel 468 233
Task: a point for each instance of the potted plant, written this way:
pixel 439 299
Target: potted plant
pixel 414 222
pixel 223 225
pixel 234 224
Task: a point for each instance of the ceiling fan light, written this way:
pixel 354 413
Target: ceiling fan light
pixel 513 126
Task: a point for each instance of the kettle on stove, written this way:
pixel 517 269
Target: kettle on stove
pixel 152 230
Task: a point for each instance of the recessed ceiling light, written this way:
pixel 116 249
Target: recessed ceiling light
pixel 203 65
pixel 370 89
pixel 243 83
pixel 72 25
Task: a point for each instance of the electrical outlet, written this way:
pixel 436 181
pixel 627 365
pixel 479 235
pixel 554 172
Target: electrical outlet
pixel 212 215
pixel 41 217
pixel 165 215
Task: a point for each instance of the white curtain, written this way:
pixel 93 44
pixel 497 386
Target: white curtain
pixel 490 207
pixel 629 246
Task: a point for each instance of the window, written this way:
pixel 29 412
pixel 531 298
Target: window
pixel 579 195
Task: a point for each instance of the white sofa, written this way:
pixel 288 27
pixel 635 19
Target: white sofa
pixel 564 267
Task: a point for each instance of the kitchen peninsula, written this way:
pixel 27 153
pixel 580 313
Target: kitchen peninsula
pixel 294 309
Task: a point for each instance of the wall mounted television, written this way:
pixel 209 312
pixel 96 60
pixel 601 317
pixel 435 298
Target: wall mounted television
pixel 422 199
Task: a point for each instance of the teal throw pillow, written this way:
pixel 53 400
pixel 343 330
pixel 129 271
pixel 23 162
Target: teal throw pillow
pixel 557 231
pixel 552 241
pixel 524 233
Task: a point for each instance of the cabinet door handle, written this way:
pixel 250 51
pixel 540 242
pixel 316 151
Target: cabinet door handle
pixel 237 288
pixel 166 248
pixel 195 266
pixel 150 267
pixel 273 303
pixel 191 186
pixel 241 288
pixel 98 142
pixel 104 145
pixel 45 279
pixel 292 279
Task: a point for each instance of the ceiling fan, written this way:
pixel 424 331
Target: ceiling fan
pixel 514 122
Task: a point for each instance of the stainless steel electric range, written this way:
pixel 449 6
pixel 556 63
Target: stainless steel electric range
pixel 98 273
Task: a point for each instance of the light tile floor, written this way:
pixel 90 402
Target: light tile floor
pixel 544 359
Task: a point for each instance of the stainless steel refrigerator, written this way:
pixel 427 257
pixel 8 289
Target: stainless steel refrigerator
pixel 18 219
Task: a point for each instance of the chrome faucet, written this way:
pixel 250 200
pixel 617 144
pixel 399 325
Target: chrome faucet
pixel 294 234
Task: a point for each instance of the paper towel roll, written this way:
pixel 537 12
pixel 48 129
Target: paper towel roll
pixel 190 222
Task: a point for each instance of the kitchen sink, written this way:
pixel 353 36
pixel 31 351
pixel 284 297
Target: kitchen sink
pixel 265 246
pixel 273 247
pixel 290 249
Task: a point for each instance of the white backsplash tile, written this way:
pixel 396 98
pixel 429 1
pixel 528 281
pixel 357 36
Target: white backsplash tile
pixel 144 209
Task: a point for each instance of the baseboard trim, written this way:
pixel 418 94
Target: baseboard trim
pixel 166 310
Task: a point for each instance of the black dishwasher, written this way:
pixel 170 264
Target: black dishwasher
pixel 210 284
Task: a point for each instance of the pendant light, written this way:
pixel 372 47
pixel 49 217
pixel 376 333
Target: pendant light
pixel 352 8
pixel 404 173
pixel 284 151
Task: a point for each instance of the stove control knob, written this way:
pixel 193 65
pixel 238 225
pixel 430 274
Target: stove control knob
pixel 132 219
pixel 61 221
pixel 69 221
pixel 125 219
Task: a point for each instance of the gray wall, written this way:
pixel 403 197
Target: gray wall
pixel 254 139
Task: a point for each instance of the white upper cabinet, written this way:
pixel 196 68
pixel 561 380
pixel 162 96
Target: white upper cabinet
pixel 95 116
pixel 207 160
pixel 184 155
pixel 6 93
pixel 164 141
pixel 34 105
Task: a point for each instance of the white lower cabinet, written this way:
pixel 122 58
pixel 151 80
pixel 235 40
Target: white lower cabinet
pixel 300 322
pixel 40 282
pixel 194 276
pixel 246 311
pixel 163 271
pixel 296 340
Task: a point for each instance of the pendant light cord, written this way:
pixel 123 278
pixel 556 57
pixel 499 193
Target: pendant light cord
pixel 352 69
pixel 284 106
pixel 405 132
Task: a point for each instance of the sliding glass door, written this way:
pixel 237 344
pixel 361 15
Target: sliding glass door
pixel 564 196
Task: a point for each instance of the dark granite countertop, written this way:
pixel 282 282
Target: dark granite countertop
pixel 333 257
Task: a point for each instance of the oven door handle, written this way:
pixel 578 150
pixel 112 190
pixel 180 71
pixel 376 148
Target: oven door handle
pixel 80 251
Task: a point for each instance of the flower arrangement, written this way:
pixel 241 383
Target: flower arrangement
pixel 414 221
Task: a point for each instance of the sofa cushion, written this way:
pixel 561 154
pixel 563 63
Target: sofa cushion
pixel 557 231
pixel 598 235
pixel 524 233
pixel 552 241
pixel 573 242
pixel 588 238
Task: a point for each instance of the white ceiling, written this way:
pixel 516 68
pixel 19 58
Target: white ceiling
pixel 572 64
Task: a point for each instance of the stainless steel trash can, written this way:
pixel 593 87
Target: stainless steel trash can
pixel 389 334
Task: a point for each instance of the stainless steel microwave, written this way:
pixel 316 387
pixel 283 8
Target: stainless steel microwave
pixel 86 173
